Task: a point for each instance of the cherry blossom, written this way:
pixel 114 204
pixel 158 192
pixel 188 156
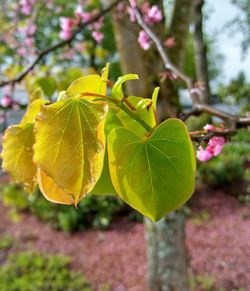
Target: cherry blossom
pixel 213 149
pixel 67 25
pixel 6 101
pixel 154 15
pixel 98 36
pixel 144 40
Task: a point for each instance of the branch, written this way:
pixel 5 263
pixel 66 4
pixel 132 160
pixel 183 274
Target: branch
pixel 195 93
pixel 58 45
pixel 204 136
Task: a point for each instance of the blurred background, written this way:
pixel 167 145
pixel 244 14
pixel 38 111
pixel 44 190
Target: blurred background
pixel 101 245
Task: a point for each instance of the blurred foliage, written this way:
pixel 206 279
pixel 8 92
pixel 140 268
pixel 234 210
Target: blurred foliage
pixel 241 23
pixel 201 282
pixel 29 271
pixel 237 92
pixel 6 241
pixel 93 211
pixel 230 166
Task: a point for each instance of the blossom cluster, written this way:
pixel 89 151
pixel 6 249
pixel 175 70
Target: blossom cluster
pixel 151 15
pixel 68 24
pixel 213 148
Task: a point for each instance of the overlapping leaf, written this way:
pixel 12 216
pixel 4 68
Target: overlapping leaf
pixel 51 191
pixel 70 144
pixel 17 148
pixel 154 175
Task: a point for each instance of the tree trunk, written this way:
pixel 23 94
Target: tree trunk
pixel 165 243
pixel 167 267
pixel 201 63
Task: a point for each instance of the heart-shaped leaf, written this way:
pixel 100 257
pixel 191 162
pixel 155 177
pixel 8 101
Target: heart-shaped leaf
pixel 70 144
pixel 154 175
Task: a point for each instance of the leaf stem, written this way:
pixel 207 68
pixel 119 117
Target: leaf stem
pixel 126 108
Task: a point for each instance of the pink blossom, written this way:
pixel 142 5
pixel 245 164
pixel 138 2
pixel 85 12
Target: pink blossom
pixel 98 36
pixel 144 40
pixel 66 24
pixel 217 144
pixel 216 140
pixel 170 42
pixel 84 16
pixel 6 101
pixel 203 155
pixel 208 127
pixel 131 13
pixel 154 14
pixel 26 6
pixel 213 149
pixel 29 42
pixel 65 34
pixel 21 51
pixel 97 25
pixel 31 29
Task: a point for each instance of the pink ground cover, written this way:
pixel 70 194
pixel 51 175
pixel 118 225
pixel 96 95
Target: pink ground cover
pixel 219 246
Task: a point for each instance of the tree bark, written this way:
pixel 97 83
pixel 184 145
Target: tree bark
pixel 165 244
pixel 167 267
pixel 201 63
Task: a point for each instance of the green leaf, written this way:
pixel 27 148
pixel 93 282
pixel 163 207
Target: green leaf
pixel 70 144
pixel 48 84
pixel 155 175
pixel 117 88
pixel 89 84
pixel 144 111
pixel 104 185
pixel 17 154
pixel 155 96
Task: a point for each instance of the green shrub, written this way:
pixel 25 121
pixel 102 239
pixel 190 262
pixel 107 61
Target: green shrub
pixel 94 211
pixel 33 272
pixel 6 242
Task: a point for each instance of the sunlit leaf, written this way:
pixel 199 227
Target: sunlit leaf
pixel 117 88
pixel 89 84
pixel 51 191
pixel 32 111
pixel 70 144
pixel 36 94
pixel 155 96
pixel 18 144
pixel 155 175
pixel 17 154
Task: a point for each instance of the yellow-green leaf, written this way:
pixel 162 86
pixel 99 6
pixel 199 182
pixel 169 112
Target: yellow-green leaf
pixel 89 84
pixel 17 154
pixel 51 191
pixel 145 111
pixel 32 110
pixel 70 144
pixel 155 175
pixel 117 88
